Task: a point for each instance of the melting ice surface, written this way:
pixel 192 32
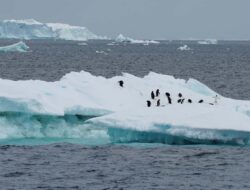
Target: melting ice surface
pixel 32 29
pixel 17 47
pixel 82 108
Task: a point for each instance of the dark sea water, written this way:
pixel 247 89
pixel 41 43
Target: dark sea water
pixel 224 67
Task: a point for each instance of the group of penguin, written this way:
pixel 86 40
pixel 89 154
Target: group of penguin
pixel 158 103
pixel 156 94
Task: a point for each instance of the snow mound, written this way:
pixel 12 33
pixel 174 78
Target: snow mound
pixel 17 47
pixel 208 42
pixel 122 39
pixel 81 105
pixel 184 48
pixel 32 29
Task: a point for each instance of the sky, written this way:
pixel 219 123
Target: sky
pixel 141 19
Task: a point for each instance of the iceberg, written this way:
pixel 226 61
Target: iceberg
pixel 82 44
pixel 17 47
pixel 67 32
pixel 122 39
pixel 32 29
pixel 94 108
pixel 184 48
pixel 208 42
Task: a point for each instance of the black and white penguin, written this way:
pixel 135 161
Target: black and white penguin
pixel 153 95
pixel 169 98
pixel 189 101
pixel 148 103
pixel 157 93
pixel 201 101
pixel 182 100
pixel 121 83
pixel 158 103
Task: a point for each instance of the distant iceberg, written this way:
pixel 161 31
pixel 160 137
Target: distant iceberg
pixel 67 32
pixel 184 48
pixel 82 44
pixel 208 42
pixel 122 39
pixel 17 47
pixel 32 29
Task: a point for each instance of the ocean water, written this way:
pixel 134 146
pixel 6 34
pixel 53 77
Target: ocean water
pixel 224 67
pixel 78 164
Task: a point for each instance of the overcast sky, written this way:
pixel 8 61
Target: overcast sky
pixel 155 19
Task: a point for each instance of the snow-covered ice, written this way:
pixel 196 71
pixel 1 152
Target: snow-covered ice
pixel 112 107
pixel 17 47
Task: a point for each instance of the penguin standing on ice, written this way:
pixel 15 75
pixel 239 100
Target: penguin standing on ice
pixel 180 100
pixel 169 98
pixel 148 103
pixel 121 83
pixel 157 93
pixel 158 103
pixel 216 98
pixel 153 95
pixel 189 101
pixel 201 101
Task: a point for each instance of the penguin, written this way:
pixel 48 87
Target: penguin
pixel 179 101
pixel 121 83
pixel 158 103
pixel 148 103
pixel 157 93
pixel 216 98
pixel 152 95
pixel 179 95
pixel 182 100
pixel 201 101
pixel 169 99
pixel 189 101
